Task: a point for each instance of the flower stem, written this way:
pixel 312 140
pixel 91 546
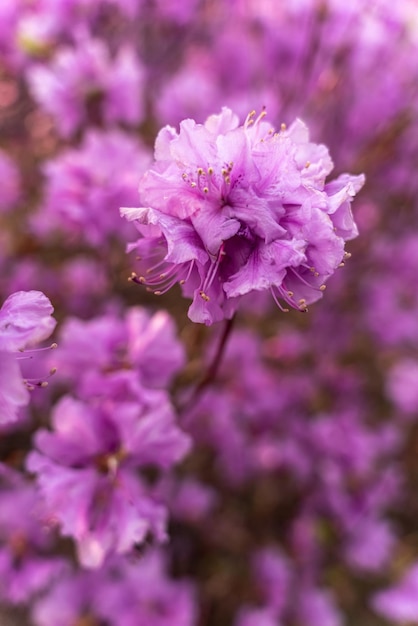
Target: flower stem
pixel 213 368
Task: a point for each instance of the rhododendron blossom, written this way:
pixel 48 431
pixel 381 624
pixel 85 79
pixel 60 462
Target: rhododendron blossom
pixel 228 209
pixel 25 319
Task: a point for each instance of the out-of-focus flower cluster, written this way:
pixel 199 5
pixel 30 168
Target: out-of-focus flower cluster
pixel 261 472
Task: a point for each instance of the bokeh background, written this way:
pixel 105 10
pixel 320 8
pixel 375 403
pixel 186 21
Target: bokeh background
pixel 297 504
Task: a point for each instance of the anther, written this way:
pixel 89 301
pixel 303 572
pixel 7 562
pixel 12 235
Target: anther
pixel 205 189
pixel 193 185
pixel 200 171
pixel 307 164
pixel 322 288
pixel 283 126
pixel 204 296
pixel 210 170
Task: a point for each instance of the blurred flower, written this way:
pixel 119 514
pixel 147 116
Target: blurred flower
pixel 402 387
pixel 27 565
pixel 25 319
pixel 85 82
pixel 136 342
pixel 87 471
pixel 123 593
pixel 85 187
pixel 399 604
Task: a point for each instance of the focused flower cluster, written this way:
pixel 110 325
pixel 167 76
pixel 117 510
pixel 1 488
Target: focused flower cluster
pixel 230 209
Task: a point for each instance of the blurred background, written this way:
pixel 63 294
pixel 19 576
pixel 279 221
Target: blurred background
pixel 297 504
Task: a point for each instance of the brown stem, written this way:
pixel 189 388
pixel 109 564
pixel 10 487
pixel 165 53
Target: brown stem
pixel 213 368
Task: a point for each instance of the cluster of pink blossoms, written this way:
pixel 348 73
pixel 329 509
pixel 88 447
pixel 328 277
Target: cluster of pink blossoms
pixel 229 209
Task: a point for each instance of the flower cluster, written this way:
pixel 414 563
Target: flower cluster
pixel 230 209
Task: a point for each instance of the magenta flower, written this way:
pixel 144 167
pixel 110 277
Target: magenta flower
pixel 88 465
pixel 86 185
pixel 27 564
pixel 146 595
pixel 399 604
pixel 229 209
pixel 25 319
pixel 138 342
pixel 80 76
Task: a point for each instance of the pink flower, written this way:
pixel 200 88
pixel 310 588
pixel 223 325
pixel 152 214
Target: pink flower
pixel 25 319
pixel 82 77
pixel 229 209
pixel 87 470
pixel 399 603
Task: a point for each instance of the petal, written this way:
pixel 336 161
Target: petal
pixel 265 267
pixel 25 319
pixel 13 393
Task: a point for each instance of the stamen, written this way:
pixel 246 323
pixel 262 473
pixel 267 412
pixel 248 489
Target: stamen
pixel 249 119
pixel 260 117
pixel 160 283
pixel 53 346
pixel 277 301
pixel 213 270
pixel 31 383
pixel 184 280
pixel 305 282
